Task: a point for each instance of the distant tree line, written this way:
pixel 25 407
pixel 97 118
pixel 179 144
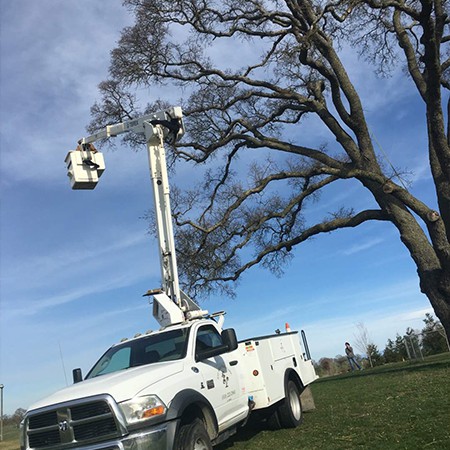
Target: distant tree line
pixel 414 344
pixel 14 419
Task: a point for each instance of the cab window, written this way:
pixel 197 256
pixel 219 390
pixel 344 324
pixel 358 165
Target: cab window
pixel 207 338
pixel 166 346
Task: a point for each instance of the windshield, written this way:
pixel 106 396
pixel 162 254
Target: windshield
pixel 167 346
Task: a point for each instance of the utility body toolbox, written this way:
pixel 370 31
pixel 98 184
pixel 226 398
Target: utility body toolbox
pixel 265 361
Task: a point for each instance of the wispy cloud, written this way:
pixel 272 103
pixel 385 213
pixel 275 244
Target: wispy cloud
pixel 81 254
pixel 363 246
pixel 48 89
pixel 371 297
pixel 70 295
pixel 421 170
pixel 413 315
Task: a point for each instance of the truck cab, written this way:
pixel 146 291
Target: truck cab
pixel 143 390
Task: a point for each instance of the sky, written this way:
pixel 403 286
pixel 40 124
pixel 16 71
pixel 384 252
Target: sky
pixel 74 264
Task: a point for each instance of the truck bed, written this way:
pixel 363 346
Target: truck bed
pixel 265 360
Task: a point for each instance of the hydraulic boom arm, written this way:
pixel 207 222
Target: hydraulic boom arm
pixel 85 166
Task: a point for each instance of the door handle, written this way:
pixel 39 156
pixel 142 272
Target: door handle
pixel 233 363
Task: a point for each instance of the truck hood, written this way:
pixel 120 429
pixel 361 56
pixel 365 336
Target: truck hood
pixel 121 385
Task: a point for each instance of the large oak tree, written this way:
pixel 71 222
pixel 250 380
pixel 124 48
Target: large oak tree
pixel 296 71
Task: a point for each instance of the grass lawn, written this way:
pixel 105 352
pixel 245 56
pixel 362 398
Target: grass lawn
pixel 395 406
pixel 10 438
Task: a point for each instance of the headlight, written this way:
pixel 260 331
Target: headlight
pixel 142 408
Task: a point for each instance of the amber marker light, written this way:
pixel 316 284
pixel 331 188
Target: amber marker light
pixel 156 411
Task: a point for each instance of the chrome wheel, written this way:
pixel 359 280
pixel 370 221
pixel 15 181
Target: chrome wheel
pixel 294 401
pixel 290 410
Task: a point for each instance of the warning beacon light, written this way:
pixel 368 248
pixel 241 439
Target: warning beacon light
pixel 85 166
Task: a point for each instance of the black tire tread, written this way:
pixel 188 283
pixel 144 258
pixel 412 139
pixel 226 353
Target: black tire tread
pixel 188 433
pixel 285 414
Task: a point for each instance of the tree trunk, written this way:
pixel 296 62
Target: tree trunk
pixel 436 286
pixel 431 260
pixel 370 357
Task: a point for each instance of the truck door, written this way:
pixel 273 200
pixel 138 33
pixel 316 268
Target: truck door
pixel 220 379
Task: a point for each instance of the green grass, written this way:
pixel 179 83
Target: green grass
pixel 10 438
pixel 397 406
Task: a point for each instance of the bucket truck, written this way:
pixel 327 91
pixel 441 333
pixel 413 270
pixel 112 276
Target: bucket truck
pixel 189 385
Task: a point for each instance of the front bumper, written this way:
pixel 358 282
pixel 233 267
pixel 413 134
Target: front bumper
pixel 158 437
pixel 154 438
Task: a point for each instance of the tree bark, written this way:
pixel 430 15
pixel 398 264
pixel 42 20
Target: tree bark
pixel 435 284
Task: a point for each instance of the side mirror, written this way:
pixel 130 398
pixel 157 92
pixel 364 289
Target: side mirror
pixel 77 375
pixel 229 338
pixel 229 341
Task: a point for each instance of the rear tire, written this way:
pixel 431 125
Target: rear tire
pixel 273 421
pixel 290 412
pixel 193 436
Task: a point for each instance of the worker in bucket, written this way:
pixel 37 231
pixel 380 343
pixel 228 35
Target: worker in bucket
pixel 351 357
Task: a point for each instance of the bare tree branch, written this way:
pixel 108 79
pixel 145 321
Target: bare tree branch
pixel 243 216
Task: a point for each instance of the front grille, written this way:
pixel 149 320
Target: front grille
pixel 90 410
pixel 44 439
pixel 70 425
pixel 91 430
pixel 43 420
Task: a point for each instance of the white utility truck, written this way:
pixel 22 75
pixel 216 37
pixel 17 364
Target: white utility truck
pixel 190 384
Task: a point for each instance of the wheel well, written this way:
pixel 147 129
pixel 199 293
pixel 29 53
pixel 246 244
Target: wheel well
pixel 202 412
pixel 188 405
pixel 292 375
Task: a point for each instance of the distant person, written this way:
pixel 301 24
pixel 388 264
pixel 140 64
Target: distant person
pixel 351 357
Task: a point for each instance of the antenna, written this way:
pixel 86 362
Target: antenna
pixel 62 362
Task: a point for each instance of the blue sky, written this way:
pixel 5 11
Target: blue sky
pixel 74 264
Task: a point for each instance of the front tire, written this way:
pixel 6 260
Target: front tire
pixel 290 412
pixel 193 436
